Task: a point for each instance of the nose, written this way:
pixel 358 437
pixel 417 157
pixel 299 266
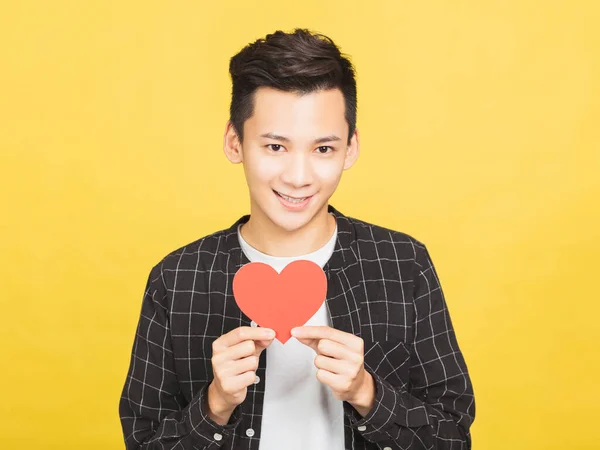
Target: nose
pixel 298 170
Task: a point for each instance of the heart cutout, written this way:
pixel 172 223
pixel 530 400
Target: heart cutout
pixel 280 301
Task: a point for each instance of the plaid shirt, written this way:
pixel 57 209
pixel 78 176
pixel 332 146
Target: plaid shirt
pixel 381 286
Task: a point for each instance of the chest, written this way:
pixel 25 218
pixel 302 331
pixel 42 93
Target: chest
pixel 366 300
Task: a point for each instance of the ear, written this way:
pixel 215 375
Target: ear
pixel 231 144
pixel 353 150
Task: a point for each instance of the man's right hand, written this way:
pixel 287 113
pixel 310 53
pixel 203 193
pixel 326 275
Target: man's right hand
pixel 234 361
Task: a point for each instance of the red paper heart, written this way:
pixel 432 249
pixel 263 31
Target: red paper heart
pixel 280 301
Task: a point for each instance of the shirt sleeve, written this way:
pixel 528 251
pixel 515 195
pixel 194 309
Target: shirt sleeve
pixel 438 408
pixel 152 410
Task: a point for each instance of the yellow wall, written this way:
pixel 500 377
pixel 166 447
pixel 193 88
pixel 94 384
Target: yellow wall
pixel 479 124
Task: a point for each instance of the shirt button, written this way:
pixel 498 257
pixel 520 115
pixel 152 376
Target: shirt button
pixel 257 380
pixel 249 432
pixel 362 428
pixel 253 324
pixel 217 437
pixel 387 448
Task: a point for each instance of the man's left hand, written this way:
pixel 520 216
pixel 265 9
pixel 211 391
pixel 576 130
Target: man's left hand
pixel 340 364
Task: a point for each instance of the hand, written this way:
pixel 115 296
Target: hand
pixel 340 364
pixel 234 361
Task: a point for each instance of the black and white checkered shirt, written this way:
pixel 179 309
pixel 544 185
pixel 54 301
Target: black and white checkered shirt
pixel 381 286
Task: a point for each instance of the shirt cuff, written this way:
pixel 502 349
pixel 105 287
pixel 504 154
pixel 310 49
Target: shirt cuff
pixel 201 425
pixel 391 408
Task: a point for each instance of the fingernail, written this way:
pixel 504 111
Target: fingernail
pixel 270 333
pixel 295 332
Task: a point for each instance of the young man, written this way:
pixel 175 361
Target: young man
pixel 377 367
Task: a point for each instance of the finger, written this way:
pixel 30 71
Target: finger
pixel 261 345
pixel 338 383
pixel 241 334
pixel 228 369
pixel 312 343
pixel 239 382
pixel 238 351
pixel 247 378
pixel 333 365
pixel 339 351
pixel 323 332
pixel 248 364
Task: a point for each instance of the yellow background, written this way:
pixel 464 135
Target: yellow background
pixel 480 136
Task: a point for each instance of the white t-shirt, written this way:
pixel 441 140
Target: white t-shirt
pixel 299 411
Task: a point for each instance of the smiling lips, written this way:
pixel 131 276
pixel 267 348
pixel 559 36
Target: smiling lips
pixel 292 202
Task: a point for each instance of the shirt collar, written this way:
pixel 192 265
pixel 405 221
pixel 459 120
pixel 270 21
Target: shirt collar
pixel 343 253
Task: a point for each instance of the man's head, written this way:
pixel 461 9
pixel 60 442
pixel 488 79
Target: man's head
pixel 292 124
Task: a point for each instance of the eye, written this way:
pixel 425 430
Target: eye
pixel 275 145
pixel 324 147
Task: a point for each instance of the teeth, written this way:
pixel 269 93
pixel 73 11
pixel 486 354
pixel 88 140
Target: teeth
pixel 291 199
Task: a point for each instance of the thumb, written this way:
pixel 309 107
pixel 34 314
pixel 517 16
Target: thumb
pixel 312 343
pixel 261 345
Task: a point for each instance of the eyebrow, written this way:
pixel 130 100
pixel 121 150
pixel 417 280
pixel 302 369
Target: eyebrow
pixel 320 140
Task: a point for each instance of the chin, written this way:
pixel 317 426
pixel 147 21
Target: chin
pixel 291 221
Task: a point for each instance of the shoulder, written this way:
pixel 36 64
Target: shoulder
pixel 370 231
pixel 372 235
pixel 198 255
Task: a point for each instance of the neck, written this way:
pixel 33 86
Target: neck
pixel 265 236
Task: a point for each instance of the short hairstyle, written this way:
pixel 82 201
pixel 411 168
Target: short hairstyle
pixel 301 62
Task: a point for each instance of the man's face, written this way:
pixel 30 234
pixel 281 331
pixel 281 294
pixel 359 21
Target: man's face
pixel 295 146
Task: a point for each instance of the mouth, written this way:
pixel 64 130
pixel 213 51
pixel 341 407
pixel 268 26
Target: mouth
pixel 293 202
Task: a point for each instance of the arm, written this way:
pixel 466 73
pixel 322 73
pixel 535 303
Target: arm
pixel 152 409
pixel 439 407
